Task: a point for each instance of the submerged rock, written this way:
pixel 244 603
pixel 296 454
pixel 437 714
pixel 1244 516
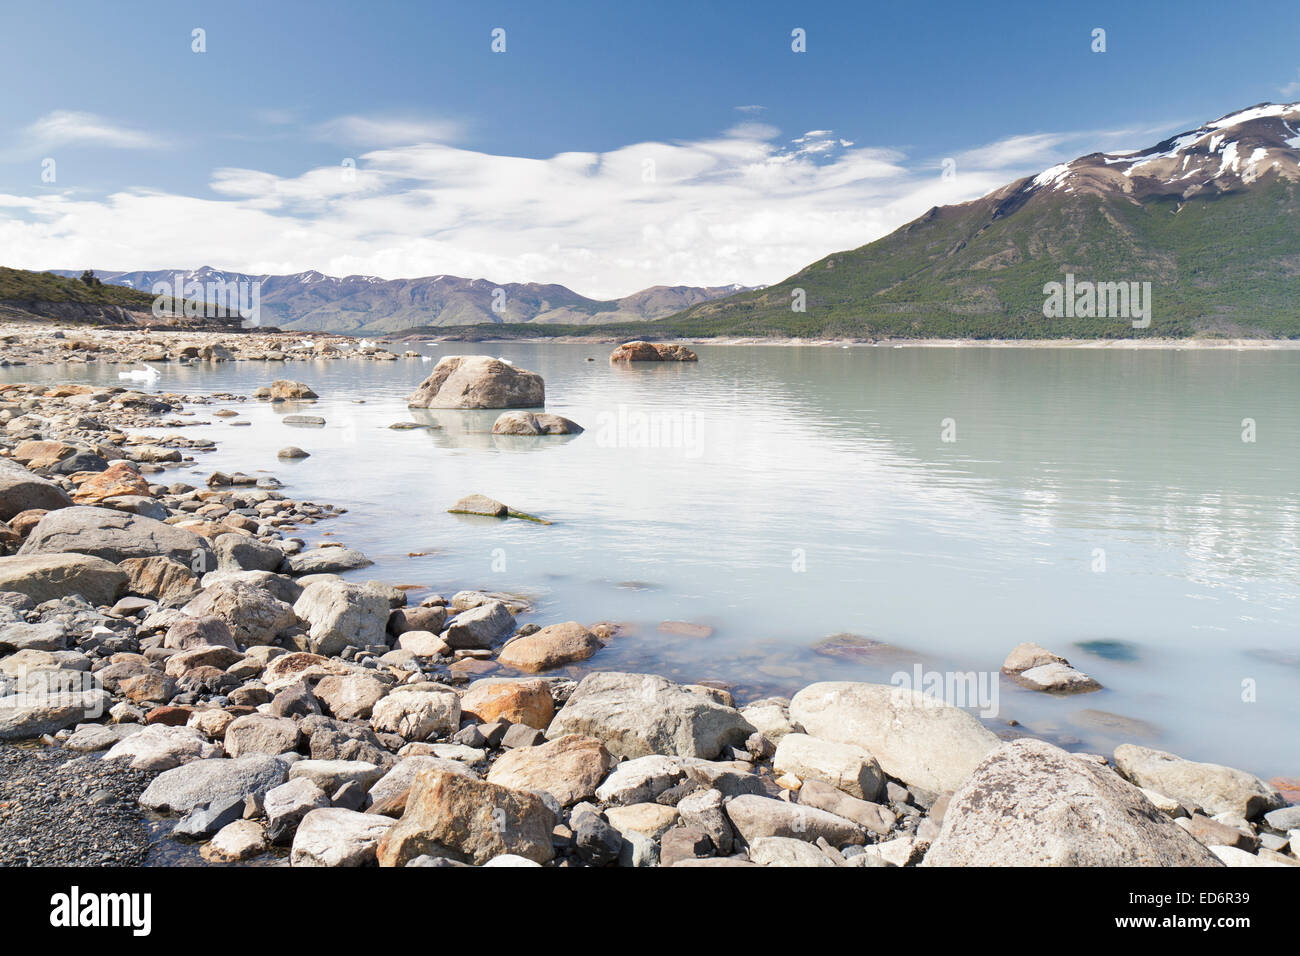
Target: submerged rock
pixel 652 352
pixel 1039 669
pixel 534 423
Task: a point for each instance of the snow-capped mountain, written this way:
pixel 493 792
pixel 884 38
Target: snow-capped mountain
pixel 1209 217
pixel 1233 151
pixel 313 301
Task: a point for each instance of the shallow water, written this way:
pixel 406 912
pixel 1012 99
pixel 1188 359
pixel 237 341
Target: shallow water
pixel 806 492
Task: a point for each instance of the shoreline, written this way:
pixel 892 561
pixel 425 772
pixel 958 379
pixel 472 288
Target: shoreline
pixel 1188 344
pixel 275 703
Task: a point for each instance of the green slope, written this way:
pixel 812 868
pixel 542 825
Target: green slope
pixel 1226 265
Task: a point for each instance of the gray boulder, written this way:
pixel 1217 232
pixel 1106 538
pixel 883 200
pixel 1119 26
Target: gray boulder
pixel 254 615
pixel 115 536
pixel 342 615
pixel 326 561
pixel 1031 804
pixel 478 381
pixel 22 490
pixel 48 577
pixel 241 552
pixel 639 714
pixel 480 627
pixel 916 738
pixel 203 782
pixel 1214 788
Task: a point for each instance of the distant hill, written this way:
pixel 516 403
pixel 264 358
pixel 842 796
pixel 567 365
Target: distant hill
pixel 26 295
pixel 368 305
pixel 1211 218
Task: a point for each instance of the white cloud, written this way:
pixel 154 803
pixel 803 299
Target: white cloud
pixel 1292 89
pixel 76 128
pixel 743 206
pixel 375 131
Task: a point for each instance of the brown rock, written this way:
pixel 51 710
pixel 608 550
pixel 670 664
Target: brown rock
pixel 470 818
pixel 550 647
pixel 652 352
pixel 119 479
pixel 570 768
pixel 525 701
pixel 166 581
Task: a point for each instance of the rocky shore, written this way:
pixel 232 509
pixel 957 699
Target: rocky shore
pixel 182 653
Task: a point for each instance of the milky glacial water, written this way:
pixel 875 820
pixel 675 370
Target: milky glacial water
pixel 1100 503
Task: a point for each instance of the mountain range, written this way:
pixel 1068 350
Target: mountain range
pixel 1209 217
pixel 369 305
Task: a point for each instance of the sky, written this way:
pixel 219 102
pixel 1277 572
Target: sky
pixel 607 147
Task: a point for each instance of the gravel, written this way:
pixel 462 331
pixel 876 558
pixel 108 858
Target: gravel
pixel 61 809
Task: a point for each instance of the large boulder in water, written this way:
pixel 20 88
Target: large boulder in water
pixel 478 381
pixel 115 536
pixel 1031 804
pixel 652 352
pixel 916 738
pixel 21 490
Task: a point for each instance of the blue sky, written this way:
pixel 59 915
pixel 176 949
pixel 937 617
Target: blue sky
pixel 610 147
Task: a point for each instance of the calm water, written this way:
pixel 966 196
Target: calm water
pixel 797 493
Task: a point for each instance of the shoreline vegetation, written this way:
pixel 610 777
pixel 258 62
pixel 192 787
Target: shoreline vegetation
pixel 192 639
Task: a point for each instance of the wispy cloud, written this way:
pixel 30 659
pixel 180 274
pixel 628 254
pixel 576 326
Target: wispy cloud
pixel 747 205
pixel 76 128
pixel 371 132
pixel 1292 89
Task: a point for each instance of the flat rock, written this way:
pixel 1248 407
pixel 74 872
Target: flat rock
pixel 639 714
pixel 754 817
pixel 552 646
pixel 49 577
pixel 783 851
pixel 652 352
pixel 332 836
pixel 1215 788
pixel 159 747
pixel 115 536
pixel 326 561
pixel 202 782
pixel 846 767
pixel 914 737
